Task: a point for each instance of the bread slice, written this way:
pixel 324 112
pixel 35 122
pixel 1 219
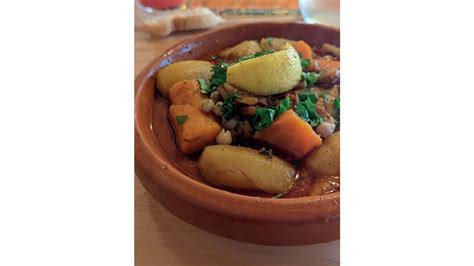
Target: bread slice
pixel 182 20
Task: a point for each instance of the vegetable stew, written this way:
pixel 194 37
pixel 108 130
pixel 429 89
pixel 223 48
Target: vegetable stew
pixel 260 118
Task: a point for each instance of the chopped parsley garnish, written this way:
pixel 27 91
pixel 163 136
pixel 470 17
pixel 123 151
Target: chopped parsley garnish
pixel 309 78
pixel 304 62
pixel 265 116
pixel 303 95
pixel 302 112
pixel 315 119
pixel 306 111
pixel 228 107
pixel 205 88
pixel 283 106
pixel 181 119
pixel 219 76
pixel 337 103
pixel 258 54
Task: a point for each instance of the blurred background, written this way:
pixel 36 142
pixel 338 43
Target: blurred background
pixel 153 33
pixel 311 11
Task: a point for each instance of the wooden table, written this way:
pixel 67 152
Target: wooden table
pixel 163 239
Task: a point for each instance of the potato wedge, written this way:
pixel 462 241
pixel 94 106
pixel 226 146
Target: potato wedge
pixel 274 44
pixel 183 70
pixel 325 161
pixel 245 168
pixel 268 74
pixel 242 49
pixel 331 49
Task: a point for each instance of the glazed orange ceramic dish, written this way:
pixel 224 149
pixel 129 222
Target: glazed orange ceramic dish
pixel 237 132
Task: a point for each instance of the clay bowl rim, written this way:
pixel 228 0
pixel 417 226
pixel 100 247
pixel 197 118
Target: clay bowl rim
pixel 155 164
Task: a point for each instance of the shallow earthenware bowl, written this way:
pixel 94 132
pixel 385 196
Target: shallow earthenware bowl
pixel 170 178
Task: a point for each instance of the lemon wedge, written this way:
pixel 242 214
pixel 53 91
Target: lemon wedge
pixel 268 74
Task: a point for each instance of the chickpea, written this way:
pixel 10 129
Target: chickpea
pixel 231 123
pixel 207 105
pixel 217 108
pixel 325 129
pixel 224 137
pixel 215 96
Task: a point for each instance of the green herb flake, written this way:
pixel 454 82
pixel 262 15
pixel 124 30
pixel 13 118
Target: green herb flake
pixel 337 103
pixel 304 62
pixel 313 115
pixel 228 107
pixel 306 110
pixel 283 106
pixel 302 112
pixel 309 105
pixel 270 40
pixel 258 54
pixel 304 95
pixel 205 88
pixel 219 76
pixel 181 119
pixel 309 78
pixel 263 118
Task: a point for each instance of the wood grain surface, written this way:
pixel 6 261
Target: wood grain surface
pixel 163 239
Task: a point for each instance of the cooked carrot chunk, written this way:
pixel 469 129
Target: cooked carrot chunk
pixel 194 130
pixel 305 51
pixel 186 92
pixel 291 135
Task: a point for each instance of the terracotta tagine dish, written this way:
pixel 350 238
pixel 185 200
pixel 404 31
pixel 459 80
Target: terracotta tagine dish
pixel 187 179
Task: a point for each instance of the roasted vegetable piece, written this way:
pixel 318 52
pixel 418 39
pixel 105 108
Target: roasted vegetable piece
pixel 186 92
pixel 274 44
pixel 325 160
pixel 268 74
pixel 193 129
pixel 291 135
pixel 305 51
pixel 240 50
pixel 183 70
pixel 245 168
pixel 329 73
pixel 331 49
